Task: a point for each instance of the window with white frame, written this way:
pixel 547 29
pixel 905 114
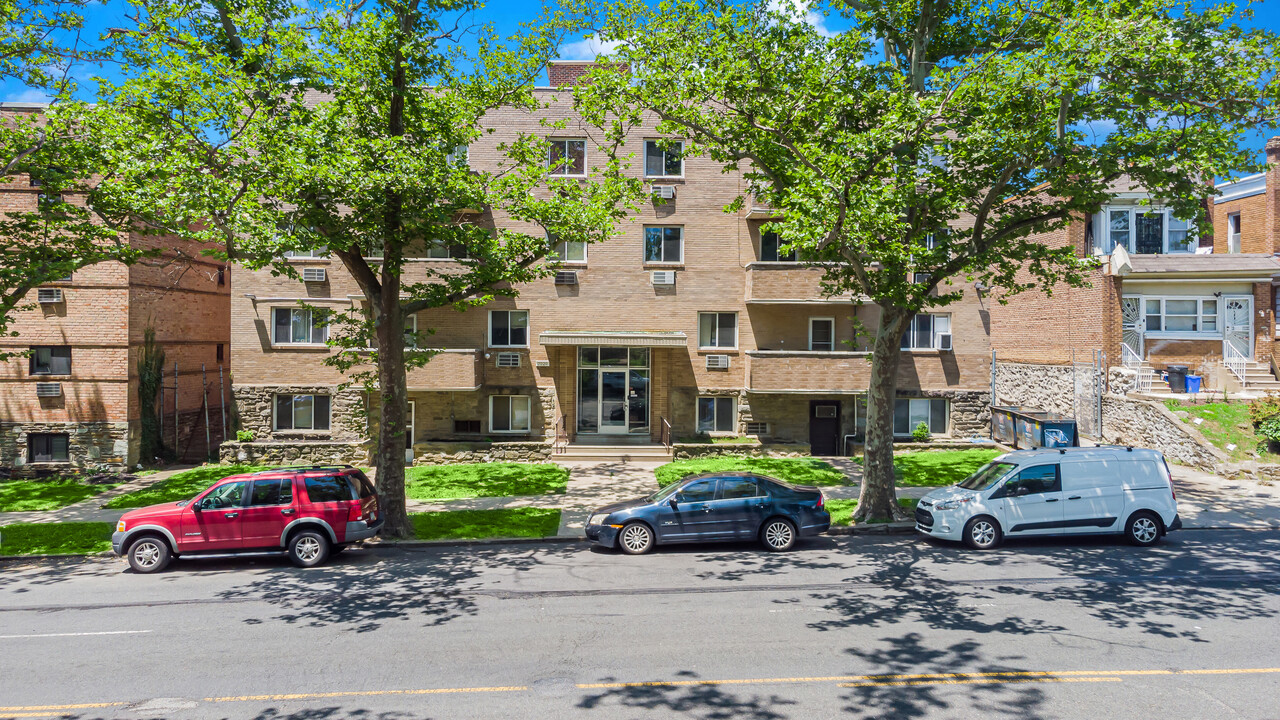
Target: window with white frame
pixel 822 334
pixel 297 326
pixel 567 251
pixel 509 413
pixel 1179 315
pixel 310 253
pixel 411 332
pixel 925 330
pixel 459 155
pixel 663 244
pixel 1233 233
pixel 772 249
pixel 908 413
pixel 717 414
pixel 1144 231
pixel 442 250
pixel 663 158
pixel 717 330
pixel 509 328
pixel 568 157
pixel 302 412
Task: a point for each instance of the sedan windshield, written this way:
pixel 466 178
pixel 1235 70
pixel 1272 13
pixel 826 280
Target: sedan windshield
pixel 986 476
pixel 665 492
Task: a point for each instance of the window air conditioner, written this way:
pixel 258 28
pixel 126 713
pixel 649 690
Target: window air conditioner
pixel 664 192
pixel 567 277
pixel 48 389
pixel 717 362
pixel 944 341
pixel 49 295
pixel 508 360
pixel 313 274
pixel 663 277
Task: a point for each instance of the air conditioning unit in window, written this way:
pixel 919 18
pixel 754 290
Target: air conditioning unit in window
pixel 717 362
pixel 48 389
pixel 508 360
pixel 664 192
pixel 663 277
pixel 567 277
pixel 49 295
pixel 944 341
pixel 313 274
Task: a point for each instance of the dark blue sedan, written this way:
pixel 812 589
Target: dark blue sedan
pixel 713 507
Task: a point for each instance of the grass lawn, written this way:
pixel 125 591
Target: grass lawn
pixel 472 524
pixel 443 482
pixel 55 538
pixel 939 467
pixel 1225 424
pixel 32 495
pixel 182 486
pixel 798 471
pixel 842 510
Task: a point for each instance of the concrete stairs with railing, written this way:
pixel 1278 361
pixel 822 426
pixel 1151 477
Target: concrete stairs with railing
pixel 1257 379
pixel 612 448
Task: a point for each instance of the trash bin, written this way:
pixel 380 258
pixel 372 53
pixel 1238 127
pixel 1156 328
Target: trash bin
pixel 1193 384
pixel 1177 378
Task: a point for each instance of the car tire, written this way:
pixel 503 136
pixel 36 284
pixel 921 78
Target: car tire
pixel 1143 529
pixel 778 535
pixel 636 538
pixel 982 533
pixel 149 554
pixel 308 548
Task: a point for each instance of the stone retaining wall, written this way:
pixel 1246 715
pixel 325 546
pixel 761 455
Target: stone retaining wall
pixel 1045 387
pixel 293 453
pixel 444 453
pixel 1142 423
pixel 685 451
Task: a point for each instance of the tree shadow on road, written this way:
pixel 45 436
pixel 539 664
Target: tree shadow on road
pixel 706 702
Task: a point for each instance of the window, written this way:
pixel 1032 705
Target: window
pixel 460 155
pixel 1233 233
pixel 222 276
pixel 297 326
pixel 1033 481
pixel 698 491
pixel 309 253
pixel 48 201
pixel 770 252
pixel 509 413
pixel 567 251
pixel 441 250
pixel 329 488
pixel 924 332
pixel 717 414
pixel 221 353
pixel 302 412
pixel 717 330
pixel 509 328
pixel 663 244
pixel 411 332
pixel 568 157
pixel 663 158
pixel 1146 232
pixel 48 447
pixel 230 495
pixel 910 412
pixel 732 488
pixel 822 334
pixel 51 360
pixel 1181 315
pixel 277 491
pixel 466 427
pixel 411 422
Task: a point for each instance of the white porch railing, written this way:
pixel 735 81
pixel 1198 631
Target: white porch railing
pixel 1144 374
pixel 1237 362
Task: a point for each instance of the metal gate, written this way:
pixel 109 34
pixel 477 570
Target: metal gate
pixel 1088 381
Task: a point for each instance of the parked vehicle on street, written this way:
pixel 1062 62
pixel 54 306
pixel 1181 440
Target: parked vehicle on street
pixel 310 512
pixel 1064 491
pixel 713 507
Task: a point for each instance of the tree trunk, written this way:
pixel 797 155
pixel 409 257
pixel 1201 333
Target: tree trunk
pixel 393 397
pixel 877 499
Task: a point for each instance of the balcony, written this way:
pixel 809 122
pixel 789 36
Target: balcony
pixel 785 371
pixel 787 283
pixel 450 369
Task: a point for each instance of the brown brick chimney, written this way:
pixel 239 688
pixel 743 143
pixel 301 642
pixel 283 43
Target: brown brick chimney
pixel 568 73
pixel 1273 193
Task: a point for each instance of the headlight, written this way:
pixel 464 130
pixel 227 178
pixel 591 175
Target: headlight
pixel 952 504
pixel 598 519
pixel 120 525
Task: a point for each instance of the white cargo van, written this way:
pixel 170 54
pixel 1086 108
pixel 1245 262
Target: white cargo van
pixel 1065 491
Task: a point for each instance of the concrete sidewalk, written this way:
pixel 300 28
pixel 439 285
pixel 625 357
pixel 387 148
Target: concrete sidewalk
pixel 90 509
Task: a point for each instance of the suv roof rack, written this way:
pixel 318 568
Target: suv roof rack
pixel 295 468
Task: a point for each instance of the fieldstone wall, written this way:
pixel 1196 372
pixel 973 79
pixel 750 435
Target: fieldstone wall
pixel 346 413
pixel 295 453
pixel 1142 423
pixel 1122 380
pixel 90 445
pixel 445 453
pixel 1044 387
pixel 684 451
pixel 970 413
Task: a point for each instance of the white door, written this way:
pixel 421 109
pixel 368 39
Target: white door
pixel 1132 327
pixel 1237 327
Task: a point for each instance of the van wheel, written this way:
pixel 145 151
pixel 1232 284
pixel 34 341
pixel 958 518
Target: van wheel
pixel 982 533
pixel 149 554
pixel 1143 529
pixel 308 548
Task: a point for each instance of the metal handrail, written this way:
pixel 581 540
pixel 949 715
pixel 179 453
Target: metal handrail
pixel 665 434
pixel 561 442
pixel 1236 362
pixel 1145 375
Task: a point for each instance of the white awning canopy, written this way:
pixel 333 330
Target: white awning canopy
pixel 619 338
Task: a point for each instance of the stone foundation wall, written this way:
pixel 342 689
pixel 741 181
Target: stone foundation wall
pixel 684 451
pixel 90 445
pixel 445 453
pixel 254 409
pixel 295 453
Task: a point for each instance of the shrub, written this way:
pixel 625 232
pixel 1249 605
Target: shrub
pixel 1264 408
pixel 244 436
pixel 921 433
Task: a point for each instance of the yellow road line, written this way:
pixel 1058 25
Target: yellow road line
pixel 35 715
pixel 80 706
pixel 363 693
pixel 984 681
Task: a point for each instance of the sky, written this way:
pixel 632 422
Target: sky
pixel 505 16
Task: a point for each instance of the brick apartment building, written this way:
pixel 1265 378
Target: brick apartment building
pixel 71 400
pixel 689 316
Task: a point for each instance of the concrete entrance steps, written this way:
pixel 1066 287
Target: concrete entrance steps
pixel 600 452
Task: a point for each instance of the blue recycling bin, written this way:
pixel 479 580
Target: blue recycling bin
pixel 1193 384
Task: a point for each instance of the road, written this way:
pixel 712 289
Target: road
pixel 861 627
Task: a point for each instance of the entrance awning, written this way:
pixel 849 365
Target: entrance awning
pixel 618 338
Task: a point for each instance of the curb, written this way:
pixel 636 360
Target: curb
pixel 898 528
pixel 554 539
pixel 63 556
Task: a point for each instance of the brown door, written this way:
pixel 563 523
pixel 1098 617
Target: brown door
pixel 824 427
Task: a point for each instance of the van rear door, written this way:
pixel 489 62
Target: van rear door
pixel 1093 496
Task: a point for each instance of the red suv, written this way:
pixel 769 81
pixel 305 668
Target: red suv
pixel 311 512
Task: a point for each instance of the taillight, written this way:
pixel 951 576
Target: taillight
pixel 354 514
pixel 822 501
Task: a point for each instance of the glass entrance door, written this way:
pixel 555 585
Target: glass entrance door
pixel 613 390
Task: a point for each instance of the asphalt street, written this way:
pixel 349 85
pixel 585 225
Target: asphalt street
pixel 853 627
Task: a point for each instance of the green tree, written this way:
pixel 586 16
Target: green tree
pixel 942 136
pixel 265 126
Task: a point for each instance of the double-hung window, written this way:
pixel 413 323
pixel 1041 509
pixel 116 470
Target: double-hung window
pixel 567 251
pixel 1146 232
pixel 664 244
pixel 51 360
pixel 302 412
pixel 772 249
pixel 568 157
pixel 908 413
pixel 1233 233
pixel 442 250
pixel 717 414
pixel 1181 315
pixel 311 253
pixel 925 332
pixel 717 330
pixel 48 447
pixel 298 326
pixel 822 334
pixel 509 328
pixel 663 158
pixel 509 413
pixel 411 332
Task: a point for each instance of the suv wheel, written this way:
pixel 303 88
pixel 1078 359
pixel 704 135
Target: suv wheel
pixel 149 554
pixel 982 533
pixel 308 548
pixel 1143 529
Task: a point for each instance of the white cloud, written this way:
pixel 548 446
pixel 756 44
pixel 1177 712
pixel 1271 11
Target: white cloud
pixel 29 95
pixel 801 9
pixel 588 48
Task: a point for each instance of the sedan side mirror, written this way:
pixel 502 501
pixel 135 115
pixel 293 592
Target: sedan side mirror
pixel 672 503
